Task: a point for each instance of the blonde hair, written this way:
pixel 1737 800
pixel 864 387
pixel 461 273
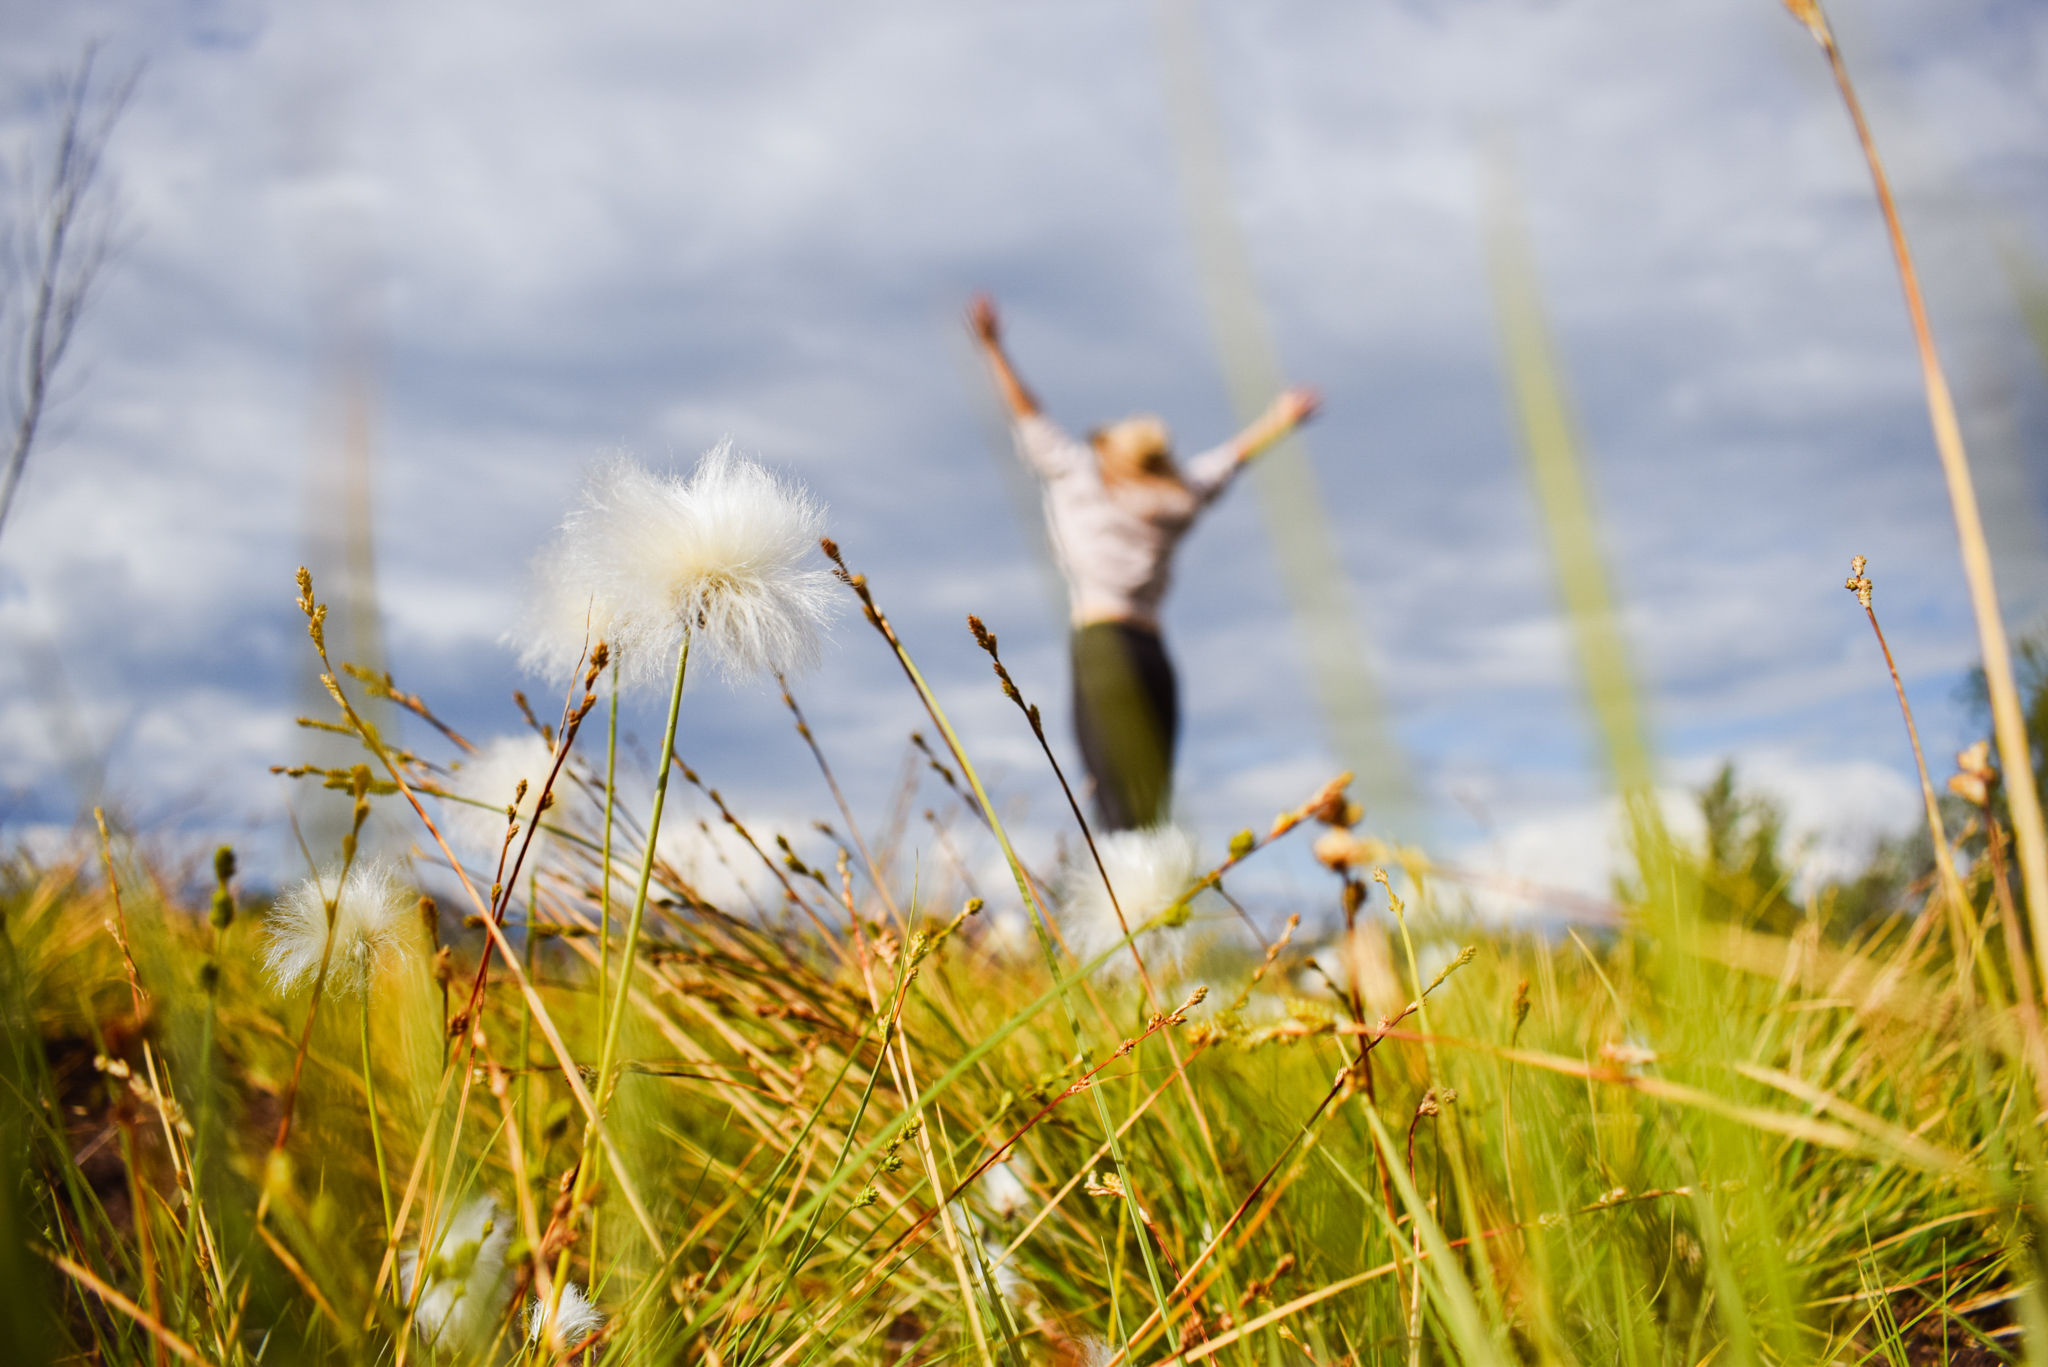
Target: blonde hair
pixel 1138 447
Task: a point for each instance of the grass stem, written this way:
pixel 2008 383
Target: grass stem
pixel 586 1170
pixel 2009 726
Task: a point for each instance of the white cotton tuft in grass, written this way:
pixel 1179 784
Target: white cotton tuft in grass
pixel 579 1319
pixel 1092 1352
pixel 1003 1187
pixel 466 1283
pixel 564 617
pixel 491 776
pixel 373 921
pixel 643 556
pixel 1151 870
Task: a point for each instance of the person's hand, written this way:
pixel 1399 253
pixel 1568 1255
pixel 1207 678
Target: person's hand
pixel 1297 405
pixel 981 317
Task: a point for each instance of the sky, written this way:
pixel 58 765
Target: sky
pixel 524 237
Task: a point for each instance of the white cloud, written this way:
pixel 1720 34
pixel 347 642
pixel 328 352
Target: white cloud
pixel 1564 861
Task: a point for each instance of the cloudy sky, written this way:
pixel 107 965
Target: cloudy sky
pixel 527 235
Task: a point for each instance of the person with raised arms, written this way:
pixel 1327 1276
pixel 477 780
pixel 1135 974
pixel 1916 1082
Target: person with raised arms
pixel 1117 506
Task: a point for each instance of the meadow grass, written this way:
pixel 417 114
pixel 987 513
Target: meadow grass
pixel 859 1124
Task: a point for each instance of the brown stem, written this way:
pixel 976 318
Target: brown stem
pixel 986 639
pixel 1961 931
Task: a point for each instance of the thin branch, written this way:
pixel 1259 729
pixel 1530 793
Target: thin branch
pixel 66 234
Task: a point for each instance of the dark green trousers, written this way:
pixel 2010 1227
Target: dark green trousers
pixel 1127 719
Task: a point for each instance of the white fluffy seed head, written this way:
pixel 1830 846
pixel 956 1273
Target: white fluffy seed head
pixel 1092 1352
pixel 466 1285
pixel 579 1319
pixel 564 618
pixel 1003 1187
pixel 644 556
pixel 491 776
pixel 373 922
pixel 1151 870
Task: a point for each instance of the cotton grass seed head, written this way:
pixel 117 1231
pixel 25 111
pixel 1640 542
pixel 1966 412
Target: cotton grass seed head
pixel 578 1318
pixel 1090 1351
pixel 372 922
pixel 1002 1186
pixel 564 618
pixel 644 557
pixel 466 1283
pixel 1151 871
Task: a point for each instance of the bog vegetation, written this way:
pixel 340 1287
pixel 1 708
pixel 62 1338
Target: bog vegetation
pixel 576 1109
pixel 860 1123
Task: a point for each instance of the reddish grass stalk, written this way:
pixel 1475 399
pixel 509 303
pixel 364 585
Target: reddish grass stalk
pixel 1962 932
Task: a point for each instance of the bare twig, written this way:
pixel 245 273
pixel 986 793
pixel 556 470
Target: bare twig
pixel 62 236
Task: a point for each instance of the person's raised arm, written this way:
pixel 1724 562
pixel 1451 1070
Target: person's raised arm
pixel 1294 407
pixel 987 329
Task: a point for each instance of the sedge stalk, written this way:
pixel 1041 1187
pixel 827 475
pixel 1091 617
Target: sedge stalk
pixel 604 886
pixel 586 1170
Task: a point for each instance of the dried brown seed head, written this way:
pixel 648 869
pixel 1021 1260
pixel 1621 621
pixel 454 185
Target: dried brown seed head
pixel 1858 583
pixel 1109 1184
pixel 1331 806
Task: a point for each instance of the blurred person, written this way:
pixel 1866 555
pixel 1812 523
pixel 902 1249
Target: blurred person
pixel 1117 505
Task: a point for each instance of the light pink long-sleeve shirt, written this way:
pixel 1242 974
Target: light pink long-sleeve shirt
pixel 1115 542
